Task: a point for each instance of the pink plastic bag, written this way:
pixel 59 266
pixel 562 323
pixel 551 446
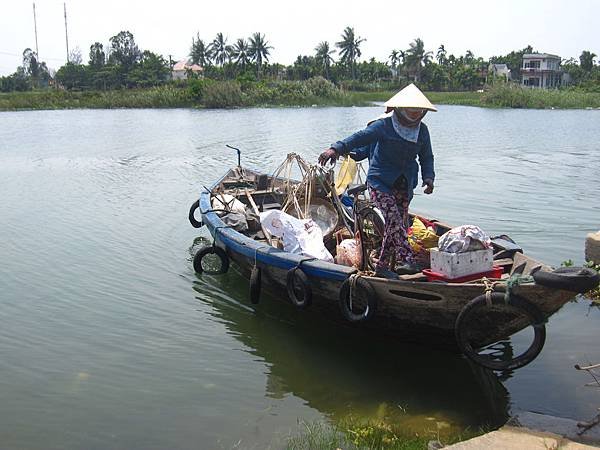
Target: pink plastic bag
pixel 348 253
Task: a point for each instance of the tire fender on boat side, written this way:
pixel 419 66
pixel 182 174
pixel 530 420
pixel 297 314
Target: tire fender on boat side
pixel 477 306
pixel 345 305
pixel 211 250
pixel 574 279
pixel 195 223
pixel 297 282
pixel 255 285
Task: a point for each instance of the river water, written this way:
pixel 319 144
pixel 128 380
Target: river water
pixel 109 340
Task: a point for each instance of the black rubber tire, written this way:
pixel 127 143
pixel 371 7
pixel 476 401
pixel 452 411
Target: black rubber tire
pixel 297 277
pixel 255 285
pixel 536 319
pixel 210 250
pixel 195 223
pixel 574 279
pixel 344 299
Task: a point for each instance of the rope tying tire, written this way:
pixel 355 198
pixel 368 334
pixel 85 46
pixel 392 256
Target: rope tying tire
pixel 347 293
pixel 211 250
pixel 296 280
pixel 486 300
pixel 195 223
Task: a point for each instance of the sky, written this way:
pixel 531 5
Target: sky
pixel 293 28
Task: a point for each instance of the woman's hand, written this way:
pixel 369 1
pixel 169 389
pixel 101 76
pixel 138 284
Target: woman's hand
pixel 429 186
pixel 328 155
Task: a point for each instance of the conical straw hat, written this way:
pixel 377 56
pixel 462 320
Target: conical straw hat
pixel 410 97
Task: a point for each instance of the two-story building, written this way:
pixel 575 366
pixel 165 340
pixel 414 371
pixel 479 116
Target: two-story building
pixel 541 70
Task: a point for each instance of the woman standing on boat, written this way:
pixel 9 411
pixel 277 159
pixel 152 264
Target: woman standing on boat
pixel 393 170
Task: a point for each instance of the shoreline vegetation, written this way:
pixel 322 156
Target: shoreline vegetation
pixel 313 92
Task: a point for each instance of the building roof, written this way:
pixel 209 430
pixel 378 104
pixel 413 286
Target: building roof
pixel 540 55
pixel 184 64
pixel 499 66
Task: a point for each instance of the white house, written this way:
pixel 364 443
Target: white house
pixel 181 69
pixel 541 70
pixel 499 70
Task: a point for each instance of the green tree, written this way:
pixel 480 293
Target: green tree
pixel 350 49
pixel 241 53
pixel 441 55
pixel 219 50
pixel 199 53
pixel 416 56
pixel 73 76
pixel 97 56
pixel 123 50
pixel 152 70
pixel 259 51
pixel 323 57
pixel 586 60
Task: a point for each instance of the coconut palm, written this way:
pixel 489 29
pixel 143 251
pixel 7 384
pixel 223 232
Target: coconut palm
pixel 199 53
pixel 259 50
pixel 219 50
pixel 441 55
pixel 350 49
pixel 586 60
pixel 323 56
pixel 416 56
pixel 241 53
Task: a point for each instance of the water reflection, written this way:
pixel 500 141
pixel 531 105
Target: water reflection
pixel 340 372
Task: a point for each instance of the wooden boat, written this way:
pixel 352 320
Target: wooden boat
pixel 467 316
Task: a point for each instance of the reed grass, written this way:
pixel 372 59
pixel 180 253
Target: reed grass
pixel 515 96
pixel 313 92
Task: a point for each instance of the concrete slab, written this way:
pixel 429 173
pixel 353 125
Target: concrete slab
pixel 592 247
pixel 519 438
pixel 564 427
pixel 533 431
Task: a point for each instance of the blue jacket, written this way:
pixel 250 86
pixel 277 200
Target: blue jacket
pixel 392 156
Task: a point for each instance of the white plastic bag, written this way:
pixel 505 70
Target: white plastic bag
pixel 465 238
pixel 299 236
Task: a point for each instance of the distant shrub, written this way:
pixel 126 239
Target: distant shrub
pixel 321 87
pixel 225 94
pixel 196 88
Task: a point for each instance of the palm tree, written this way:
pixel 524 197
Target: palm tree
pixel 259 50
pixel 219 50
pixel 241 53
pixel 350 49
pixel 199 53
pixel 416 56
pixel 441 55
pixel 586 60
pixel 323 56
pixel 469 57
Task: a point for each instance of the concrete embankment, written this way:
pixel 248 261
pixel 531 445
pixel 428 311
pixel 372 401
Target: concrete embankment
pixel 534 431
pixel 592 247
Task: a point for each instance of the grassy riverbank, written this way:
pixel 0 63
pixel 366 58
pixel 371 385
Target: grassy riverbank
pixel 356 435
pixel 314 92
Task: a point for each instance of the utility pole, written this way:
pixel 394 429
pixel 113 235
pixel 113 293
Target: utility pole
pixel 37 53
pixel 66 32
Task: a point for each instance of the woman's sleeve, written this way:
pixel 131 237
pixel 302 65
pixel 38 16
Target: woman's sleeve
pixel 358 154
pixel 361 138
pixel 426 157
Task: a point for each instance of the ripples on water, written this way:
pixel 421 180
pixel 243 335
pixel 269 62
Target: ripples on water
pixel 108 339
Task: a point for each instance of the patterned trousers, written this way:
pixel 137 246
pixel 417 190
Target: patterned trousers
pixel 394 207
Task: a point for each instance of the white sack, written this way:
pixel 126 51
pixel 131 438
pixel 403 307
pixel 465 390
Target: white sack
pixel 298 235
pixel 465 238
